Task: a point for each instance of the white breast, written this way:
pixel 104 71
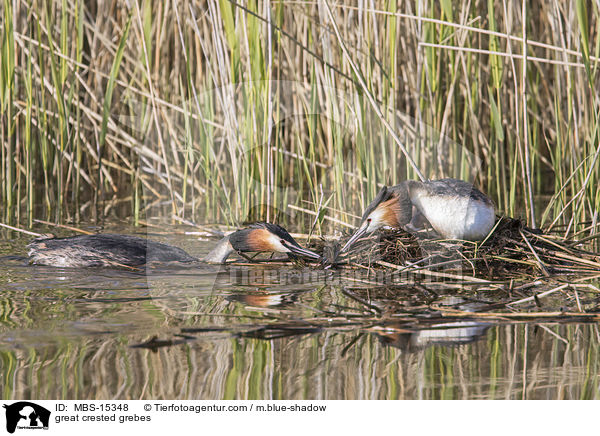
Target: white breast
pixel 457 217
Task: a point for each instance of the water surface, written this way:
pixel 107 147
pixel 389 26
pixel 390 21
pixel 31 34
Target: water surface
pixel 268 332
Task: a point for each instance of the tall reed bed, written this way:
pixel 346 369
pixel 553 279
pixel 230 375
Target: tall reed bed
pixel 240 110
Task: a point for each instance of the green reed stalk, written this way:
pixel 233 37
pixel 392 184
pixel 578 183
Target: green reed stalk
pixel 7 85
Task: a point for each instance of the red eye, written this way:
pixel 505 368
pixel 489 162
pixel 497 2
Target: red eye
pixel 369 220
pixel 282 241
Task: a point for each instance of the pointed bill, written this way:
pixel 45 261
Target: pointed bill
pixel 303 252
pixel 355 237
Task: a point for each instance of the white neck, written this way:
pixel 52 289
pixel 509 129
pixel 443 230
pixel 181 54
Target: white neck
pixel 221 252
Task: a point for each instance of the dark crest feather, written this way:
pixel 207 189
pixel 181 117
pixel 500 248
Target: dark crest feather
pixel 276 230
pixel 384 194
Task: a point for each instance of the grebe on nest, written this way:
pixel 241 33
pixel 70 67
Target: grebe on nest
pixel 258 238
pixel 110 250
pixel 454 208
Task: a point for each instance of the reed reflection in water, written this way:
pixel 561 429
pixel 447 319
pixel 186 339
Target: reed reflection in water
pixel 309 367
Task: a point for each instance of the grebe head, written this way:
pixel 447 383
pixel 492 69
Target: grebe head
pixel 258 238
pixel 391 207
pixel 265 237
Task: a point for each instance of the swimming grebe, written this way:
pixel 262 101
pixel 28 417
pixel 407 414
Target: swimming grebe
pixel 103 250
pixel 259 237
pixel 454 208
pixel 110 250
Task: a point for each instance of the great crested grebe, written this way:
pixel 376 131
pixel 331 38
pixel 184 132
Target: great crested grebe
pixel 454 208
pixel 110 250
pixel 259 238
